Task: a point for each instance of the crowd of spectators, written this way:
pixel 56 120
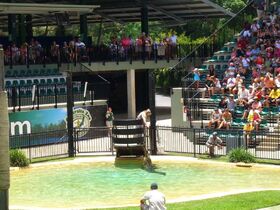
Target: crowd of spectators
pixel 252 79
pixel 124 48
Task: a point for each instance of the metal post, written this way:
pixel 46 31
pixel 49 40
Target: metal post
pixel 70 105
pixel 4 145
pixel 55 96
pixel 152 106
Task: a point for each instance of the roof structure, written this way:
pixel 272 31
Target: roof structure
pixel 122 11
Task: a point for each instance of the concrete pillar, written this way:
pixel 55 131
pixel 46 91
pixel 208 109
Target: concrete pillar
pixel 131 99
pixel 29 30
pixel 144 17
pixel 4 143
pixel 84 28
pixel 12 27
pixel 21 29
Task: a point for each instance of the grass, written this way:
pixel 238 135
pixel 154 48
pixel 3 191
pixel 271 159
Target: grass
pixel 243 201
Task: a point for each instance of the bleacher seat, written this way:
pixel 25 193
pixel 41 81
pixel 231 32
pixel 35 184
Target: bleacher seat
pixel 42 81
pixel 15 83
pixel 35 72
pixel 55 80
pixel 8 73
pixel 8 83
pixel 62 80
pixel 49 81
pixel 15 73
pixel 36 82
pixel 29 82
pixel 22 82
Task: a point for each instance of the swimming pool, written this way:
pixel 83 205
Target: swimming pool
pixel 99 182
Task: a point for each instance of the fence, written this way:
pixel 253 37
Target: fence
pixel 104 53
pixel 264 145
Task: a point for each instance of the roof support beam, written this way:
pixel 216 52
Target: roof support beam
pixel 218 7
pixel 108 17
pixel 169 14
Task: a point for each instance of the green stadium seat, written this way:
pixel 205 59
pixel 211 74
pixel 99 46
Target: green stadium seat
pixel 55 80
pixel 75 90
pixel 28 93
pixel 265 111
pixel 22 82
pixel 43 72
pixel 62 81
pixel 55 71
pixel 36 81
pixel 49 81
pixel 42 81
pixel 29 82
pixel 22 73
pixel 239 109
pixel 228 57
pixel 28 73
pixel 8 73
pixel 15 73
pixel 15 83
pixel 8 84
pixel 224 67
pixel 221 58
pixel 275 110
pixel 43 92
pixel 62 91
pixel 50 92
pixel 35 72
pixel 217 67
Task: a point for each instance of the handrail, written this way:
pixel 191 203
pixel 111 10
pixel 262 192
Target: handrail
pixel 212 35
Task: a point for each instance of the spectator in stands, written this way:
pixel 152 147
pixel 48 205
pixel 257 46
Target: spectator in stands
pixel 247 133
pixel 217 86
pixel 226 120
pixel 223 103
pixel 196 77
pixel 54 51
pixel 231 82
pixel 173 43
pixel 277 81
pixel 144 115
pixel 109 118
pixel 216 118
pixel 213 141
pixel 211 70
pixel 231 103
pixel 148 46
pixel 254 118
pixel 274 96
pixel 243 95
pixel 209 84
pixel 23 53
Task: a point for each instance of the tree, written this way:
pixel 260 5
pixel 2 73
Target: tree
pixel 4 141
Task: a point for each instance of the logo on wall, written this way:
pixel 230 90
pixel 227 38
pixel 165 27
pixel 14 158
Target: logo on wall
pixel 81 120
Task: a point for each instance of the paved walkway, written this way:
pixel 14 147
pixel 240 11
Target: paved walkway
pixel 272 208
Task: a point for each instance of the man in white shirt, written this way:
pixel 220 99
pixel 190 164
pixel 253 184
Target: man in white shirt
pixel 277 81
pixel 243 95
pixel 144 115
pixel 153 199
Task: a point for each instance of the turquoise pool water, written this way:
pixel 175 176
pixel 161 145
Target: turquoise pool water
pixel 88 185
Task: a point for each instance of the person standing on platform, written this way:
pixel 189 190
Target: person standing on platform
pixel 109 120
pixel 144 115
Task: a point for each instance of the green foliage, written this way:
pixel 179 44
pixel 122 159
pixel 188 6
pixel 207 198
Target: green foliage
pixel 241 155
pixel 18 158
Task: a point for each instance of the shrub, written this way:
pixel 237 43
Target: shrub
pixel 18 158
pixel 241 155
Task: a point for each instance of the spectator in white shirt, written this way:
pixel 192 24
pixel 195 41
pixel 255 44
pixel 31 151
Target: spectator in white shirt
pixel 153 199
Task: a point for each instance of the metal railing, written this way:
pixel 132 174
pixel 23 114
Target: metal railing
pixel 102 53
pixel 34 96
pixel 261 144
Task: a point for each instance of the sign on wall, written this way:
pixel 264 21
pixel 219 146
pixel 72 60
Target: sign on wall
pixel 35 121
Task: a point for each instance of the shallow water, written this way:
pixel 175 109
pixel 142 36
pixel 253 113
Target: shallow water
pixel 107 184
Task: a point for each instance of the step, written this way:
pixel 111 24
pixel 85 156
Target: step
pixel 267 148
